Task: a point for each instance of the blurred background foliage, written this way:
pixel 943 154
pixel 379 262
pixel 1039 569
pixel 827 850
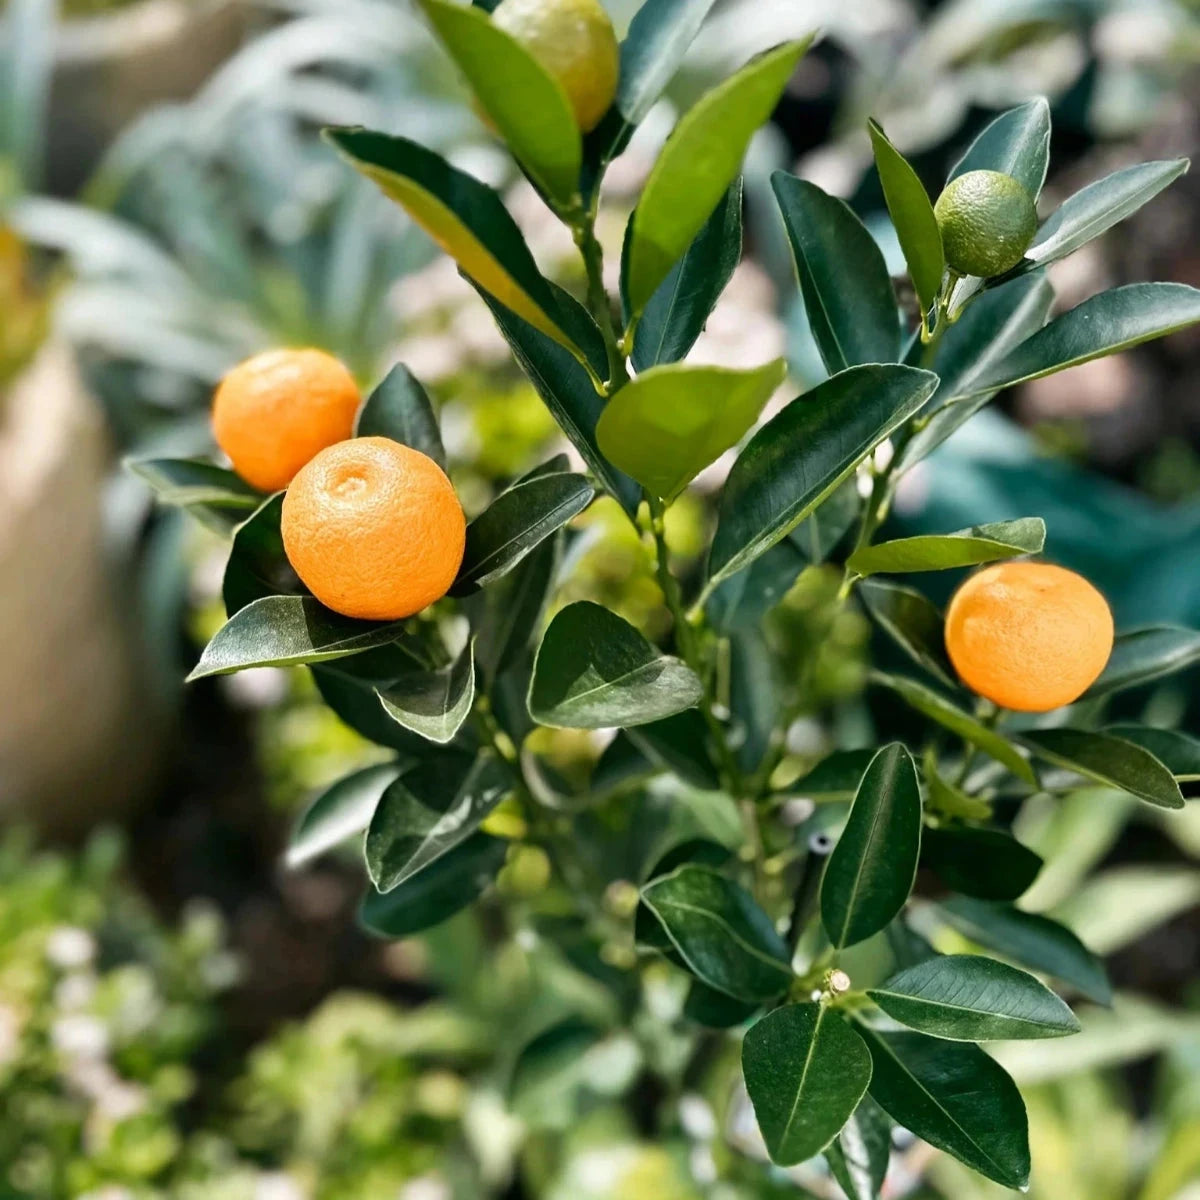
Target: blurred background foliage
pixel 177 1016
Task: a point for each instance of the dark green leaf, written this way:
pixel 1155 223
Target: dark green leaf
pixel 672 421
pixel 258 565
pixel 987 863
pixel 433 704
pixel 190 482
pixel 941 552
pixel 444 887
pixel 1144 655
pixel 516 522
pixel 399 408
pixel 466 218
pixel 433 807
pixel 954 1097
pixel 871 870
pixel 527 104
pixel 755 695
pixel 595 671
pixel 1032 940
pixel 859 1156
pixel 679 744
pixel 836 776
pixel 912 215
pixel 800 456
pixel 912 621
pixel 1016 143
pixel 355 703
pixel 675 315
pixel 715 1010
pixel 934 706
pixel 284 631
pixel 1108 760
pixel 742 600
pixel 1179 752
pixel 339 812
pixel 700 161
pixel 806 1070
pixel 1106 324
pixel 722 935
pixel 817 535
pixel 852 314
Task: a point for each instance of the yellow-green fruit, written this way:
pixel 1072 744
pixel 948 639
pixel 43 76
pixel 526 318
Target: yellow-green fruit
pixel 987 221
pixel 574 41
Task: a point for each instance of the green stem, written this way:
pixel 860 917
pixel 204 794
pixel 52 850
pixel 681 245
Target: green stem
pixel 598 304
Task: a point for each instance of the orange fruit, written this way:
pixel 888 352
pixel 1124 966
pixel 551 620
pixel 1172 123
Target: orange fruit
pixel 273 412
pixel 374 529
pixel 1028 636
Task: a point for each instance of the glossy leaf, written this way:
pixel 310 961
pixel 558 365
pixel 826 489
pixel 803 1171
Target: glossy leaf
pixel 1105 324
pixel 466 218
pixel 258 565
pixel 355 703
pixel 399 408
pixel 433 807
pixel 806 1071
pixel 954 1097
pixel 285 631
pixel 672 421
pixel 444 887
pixel 433 704
pixel 595 671
pixel 987 863
pixel 339 812
pixel 700 161
pixel 837 776
pixel 912 215
pixel 525 102
pixel 189 482
pixel 969 998
pixel 912 621
pixel 963 548
pixel 797 459
pixel 1179 752
pixel 852 314
pixel 934 706
pixel 716 927
pixel 1108 760
pixel 872 868
pixel 515 523
pixel 1032 940
pixel 1098 207
pixel 858 1157
pixel 1016 143
pixel 1144 655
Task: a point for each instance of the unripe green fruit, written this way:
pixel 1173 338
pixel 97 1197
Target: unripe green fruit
pixel 987 220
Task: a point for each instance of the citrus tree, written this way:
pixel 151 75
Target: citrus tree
pixel 713 873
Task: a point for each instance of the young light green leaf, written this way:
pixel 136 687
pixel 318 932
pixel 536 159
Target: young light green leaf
pixel 1144 655
pixel 671 421
pixel 1098 207
pixel 954 1097
pixel 852 314
pixel 806 1071
pixel 675 315
pixel 433 807
pixel 258 565
pixel 1032 940
pixel 701 159
pixel 339 812
pixel 801 455
pixel 526 103
pixel 969 998
pixel 1179 752
pixel 1105 324
pixel 446 886
pixel 963 548
pixel 433 704
pixel 1108 760
pixel 189 482
pixel 515 523
pixel 466 218
pixel 986 863
pixel 858 1157
pixel 913 622
pixel 722 935
pixel 595 671
pixel 912 215
pixel 934 706
pixel 1016 143
pixel 872 868
pixel 285 631
pixel 399 408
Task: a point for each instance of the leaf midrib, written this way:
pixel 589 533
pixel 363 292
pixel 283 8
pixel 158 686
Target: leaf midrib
pixel 721 922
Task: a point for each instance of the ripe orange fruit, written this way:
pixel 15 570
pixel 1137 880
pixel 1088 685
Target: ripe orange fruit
pixel 273 412
pixel 374 529
pixel 1028 636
